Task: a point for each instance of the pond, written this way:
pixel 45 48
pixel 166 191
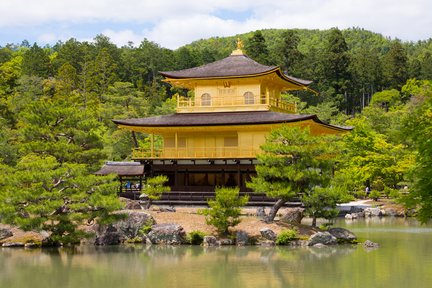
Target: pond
pixel 403 260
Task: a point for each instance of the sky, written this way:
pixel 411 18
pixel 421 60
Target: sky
pixel 174 23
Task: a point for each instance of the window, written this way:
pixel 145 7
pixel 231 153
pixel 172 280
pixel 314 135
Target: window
pixel 249 98
pixel 206 99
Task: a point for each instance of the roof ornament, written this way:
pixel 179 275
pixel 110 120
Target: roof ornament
pixel 240 46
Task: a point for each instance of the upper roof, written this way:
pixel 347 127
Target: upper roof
pixel 221 119
pixel 233 66
pixel 122 169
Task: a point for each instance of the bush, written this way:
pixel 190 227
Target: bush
pixel 195 237
pixel 374 195
pixel 224 211
pixel 286 236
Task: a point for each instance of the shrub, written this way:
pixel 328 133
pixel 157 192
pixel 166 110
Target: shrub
pixel 224 211
pixel 286 236
pixel 195 237
pixel 375 194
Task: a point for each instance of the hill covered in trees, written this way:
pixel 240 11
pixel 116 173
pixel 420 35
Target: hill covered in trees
pixel 57 102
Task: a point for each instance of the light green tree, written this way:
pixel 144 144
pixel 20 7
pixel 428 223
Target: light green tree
pixel 153 189
pixel 225 209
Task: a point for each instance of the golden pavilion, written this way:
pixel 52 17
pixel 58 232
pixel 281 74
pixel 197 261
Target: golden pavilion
pixel 214 136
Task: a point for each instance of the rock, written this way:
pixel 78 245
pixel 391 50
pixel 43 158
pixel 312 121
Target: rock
pixel 322 237
pixel 267 243
pixel 268 234
pixel 293 216
pixel 343 235
pixel 123 230
pixel 356 209
pixel 370 245
pixel 261 212
pixel 226 241
pixel 133 205
pixel 242 238
pixel 369 212
pixel 348 217
pixel 129 227
pixel 110 236
pixel 13 244
pixel 167 209
pixel 167 233
pixel 210 241
pixel 32 245
pixel 5 233
pixel 393 212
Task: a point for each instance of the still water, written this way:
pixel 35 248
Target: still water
pixel 404 260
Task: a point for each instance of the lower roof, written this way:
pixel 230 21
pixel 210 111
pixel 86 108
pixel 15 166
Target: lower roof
pixel 221 119
pixel 122 169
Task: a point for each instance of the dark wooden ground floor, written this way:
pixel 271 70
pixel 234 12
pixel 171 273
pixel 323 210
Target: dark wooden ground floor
pixel 193 182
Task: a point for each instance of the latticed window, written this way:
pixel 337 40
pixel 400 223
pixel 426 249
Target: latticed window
pixel 206 99
pixel 249 98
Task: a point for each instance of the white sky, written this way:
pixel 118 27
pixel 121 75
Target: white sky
pixel 173 23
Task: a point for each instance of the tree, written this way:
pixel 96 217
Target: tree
pixel 224 211
pixel 417 127
pixel 395 65
pixel 321 202
pixel 153 189
pixel 293 162
pixel 256 48
pixel 36 62
pixel 336 64
pixel 288 51
pixel 41 193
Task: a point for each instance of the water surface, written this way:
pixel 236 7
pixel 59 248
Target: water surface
pixel 403 260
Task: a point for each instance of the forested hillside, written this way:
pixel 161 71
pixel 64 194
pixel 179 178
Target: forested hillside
pixel 58 101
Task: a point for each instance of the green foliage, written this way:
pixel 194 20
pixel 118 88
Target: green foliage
pixel 41 193
pixel 418 123
pixel 375 195
pixel 386 98
pixel 286 236
pixel 195 237
pixel 224 211
pixel 293 162
pixel 321 202
pixel 153 188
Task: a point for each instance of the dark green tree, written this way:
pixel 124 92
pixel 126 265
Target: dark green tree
pixel 55 197
pixel 335 67
pixel 395 65
pixel 293 163
pixel 36 62
pixel 288 51
pixel 256 48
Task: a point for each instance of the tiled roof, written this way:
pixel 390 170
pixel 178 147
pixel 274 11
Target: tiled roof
pixel 217 119
pixel 231 66
pixel 122 169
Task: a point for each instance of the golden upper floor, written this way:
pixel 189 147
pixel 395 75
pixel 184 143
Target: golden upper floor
pixel 235 83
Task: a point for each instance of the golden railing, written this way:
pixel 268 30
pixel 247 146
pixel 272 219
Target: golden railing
pixel 195 153
pixel 256 103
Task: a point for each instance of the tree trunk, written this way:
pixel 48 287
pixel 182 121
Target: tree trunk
pixel 314 221
pixel 134 140
pixel 279 203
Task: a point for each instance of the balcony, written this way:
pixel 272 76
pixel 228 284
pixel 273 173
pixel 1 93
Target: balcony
pixel 233 103
pixel 196 153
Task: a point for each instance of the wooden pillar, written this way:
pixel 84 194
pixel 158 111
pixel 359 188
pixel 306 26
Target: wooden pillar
pixel 152 145
pixel 176 145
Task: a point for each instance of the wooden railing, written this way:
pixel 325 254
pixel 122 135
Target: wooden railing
pixel 195 153
pixel 232 103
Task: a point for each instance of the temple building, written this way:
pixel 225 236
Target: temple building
pixel 214 136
